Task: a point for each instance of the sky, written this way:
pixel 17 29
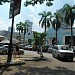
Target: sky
pixel 28 13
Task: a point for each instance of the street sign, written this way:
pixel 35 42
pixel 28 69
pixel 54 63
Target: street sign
pixel 15 6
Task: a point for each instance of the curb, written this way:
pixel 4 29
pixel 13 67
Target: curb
pixel 12 64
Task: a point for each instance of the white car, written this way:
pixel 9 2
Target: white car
pixel 63 51
pixel 28 47
pixel 50 49
pixel 4 50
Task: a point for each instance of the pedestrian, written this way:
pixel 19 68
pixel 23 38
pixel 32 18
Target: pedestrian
pixel 14 51
pixel 17 50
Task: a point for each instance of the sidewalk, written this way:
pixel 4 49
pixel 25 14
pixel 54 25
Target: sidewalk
pixel 21 60
pixel 14 61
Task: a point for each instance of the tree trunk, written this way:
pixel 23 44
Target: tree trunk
pixel 72 21
pixel 45 31
pixel 24 38
pixel 56 35
pixel 71 37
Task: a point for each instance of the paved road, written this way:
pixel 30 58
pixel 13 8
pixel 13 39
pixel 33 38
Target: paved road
pixel 36 66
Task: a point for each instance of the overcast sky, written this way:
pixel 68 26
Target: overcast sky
pixel 28 13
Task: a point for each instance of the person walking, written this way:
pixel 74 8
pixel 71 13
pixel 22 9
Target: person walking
pixel 14 51
pixel 17 50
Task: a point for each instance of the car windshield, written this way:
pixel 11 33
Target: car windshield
pixel 65 48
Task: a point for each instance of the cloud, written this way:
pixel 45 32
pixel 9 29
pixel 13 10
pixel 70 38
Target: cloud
pixel 35 26
pixel 4 24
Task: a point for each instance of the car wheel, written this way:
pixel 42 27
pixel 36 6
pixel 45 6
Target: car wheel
pixel 53 55
pixel 4 52
pixel 58 57
pixel 71 59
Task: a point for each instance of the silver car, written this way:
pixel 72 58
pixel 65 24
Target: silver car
pixel 63 51
pixel 4 49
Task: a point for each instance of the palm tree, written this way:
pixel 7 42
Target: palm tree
pixel 34 2
pixel 19 28
pixel 69 18
pixel 3 1
pixel 25 28
pixel 45 21
pixel 57 23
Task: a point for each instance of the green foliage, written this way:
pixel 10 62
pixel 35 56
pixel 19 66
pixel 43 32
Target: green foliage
pixel 69 18
pixel 57 21
pixel 25 28
pixel 39 38
pixel 19 27
pixel 69 14
pixel 3 1
pixel 45 20
pixel 22 27
pixel 33 2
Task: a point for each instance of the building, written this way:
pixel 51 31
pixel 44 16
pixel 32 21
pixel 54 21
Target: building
pixel 29 34
pixel 7 34
pixel 64 36
pixel 64 33
pixel 9 29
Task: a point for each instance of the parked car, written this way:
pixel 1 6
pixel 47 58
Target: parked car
pixel 28 47
pixel 63 51
pixel 22 46
pixel 50 48
pixel 4 50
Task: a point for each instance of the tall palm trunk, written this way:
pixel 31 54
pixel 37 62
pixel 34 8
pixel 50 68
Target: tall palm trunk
pixel 24 38
pixel 19 33
pixel 45 31
pixel 19 36
pixel 56 36
pixel 71 37
pixel 72 21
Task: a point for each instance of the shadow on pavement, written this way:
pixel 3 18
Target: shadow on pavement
pixel 66 60
pixel 37 59
pixel 44 71
pixel 22 70
pixel 2 69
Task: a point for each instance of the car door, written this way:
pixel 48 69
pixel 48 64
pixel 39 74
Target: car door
pixel 54 51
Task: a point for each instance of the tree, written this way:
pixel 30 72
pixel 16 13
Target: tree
pixel 39 38
pixel 25 28
pixel 39 41
pixel 45 21
pixel 3 1
pixel 56 23
pixel 33 2
pixel 69 18
pixel 19 28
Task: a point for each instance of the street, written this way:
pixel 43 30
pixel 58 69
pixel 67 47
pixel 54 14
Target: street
pixel 34 65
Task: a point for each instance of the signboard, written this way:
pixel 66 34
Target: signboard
pixel 15 6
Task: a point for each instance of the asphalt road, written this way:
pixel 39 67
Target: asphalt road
pixel 34 65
